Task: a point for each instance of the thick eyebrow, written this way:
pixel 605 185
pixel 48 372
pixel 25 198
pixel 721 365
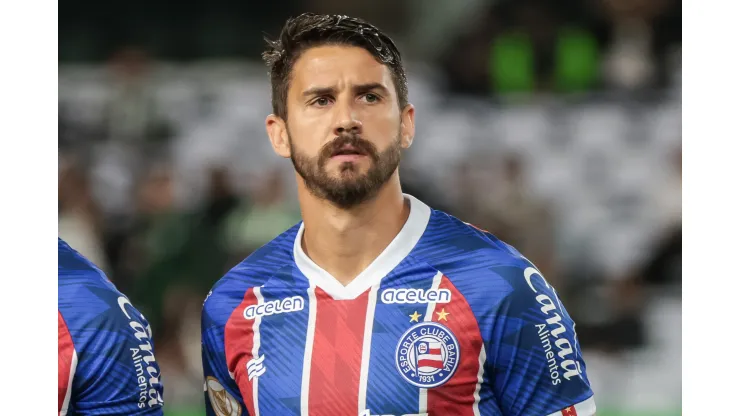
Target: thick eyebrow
pixel 358 89
pixel 318 91
pixel 371 86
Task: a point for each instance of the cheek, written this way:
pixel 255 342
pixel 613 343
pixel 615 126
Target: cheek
pixel 312 119
pixel 307 134
pixel 383 130
pixel 303 145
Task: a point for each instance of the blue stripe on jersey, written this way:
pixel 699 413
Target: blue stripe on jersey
pixel 387 391
pixel 73 288
pixel 487 405
pixel 282 341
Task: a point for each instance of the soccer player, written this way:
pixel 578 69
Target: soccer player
pixel 106 357
pixel 376 304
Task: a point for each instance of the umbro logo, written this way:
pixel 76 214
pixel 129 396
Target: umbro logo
pixel 256 367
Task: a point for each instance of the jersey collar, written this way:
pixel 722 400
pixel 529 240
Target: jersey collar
pixel 391 257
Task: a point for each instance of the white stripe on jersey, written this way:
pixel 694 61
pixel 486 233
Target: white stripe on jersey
pixel 366 343
pixel 68 396
pixel 476 395
pixel 427 318
pixel 255 353
pixel 308 351
pixel 584 408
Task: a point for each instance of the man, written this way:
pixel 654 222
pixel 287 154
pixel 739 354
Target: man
pixel 106 358
pixel 376 304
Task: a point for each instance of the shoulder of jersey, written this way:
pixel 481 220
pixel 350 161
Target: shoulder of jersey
pixel 483 269
pixel 253 271
pixel 450 243
pixel 75 269
pixel 85 294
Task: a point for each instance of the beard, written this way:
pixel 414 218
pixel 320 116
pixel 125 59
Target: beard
pixel 350 187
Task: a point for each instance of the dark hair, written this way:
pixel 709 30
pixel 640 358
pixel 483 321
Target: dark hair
pixel 310 30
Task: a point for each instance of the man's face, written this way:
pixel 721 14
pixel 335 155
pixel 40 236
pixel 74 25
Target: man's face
pixel 344 126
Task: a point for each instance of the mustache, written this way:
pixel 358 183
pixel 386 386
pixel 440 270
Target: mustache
pixel 354 140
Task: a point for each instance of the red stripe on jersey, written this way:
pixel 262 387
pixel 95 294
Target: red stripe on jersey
pixel 456 396
pixel 569 411
pixel 65 354
pixel 238 343
pixel 337 355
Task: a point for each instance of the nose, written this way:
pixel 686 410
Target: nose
pixel 346 121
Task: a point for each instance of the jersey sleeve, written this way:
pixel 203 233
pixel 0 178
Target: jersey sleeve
pixel 67 360
pixel 112 365
pixel 222 396
pixel 535 361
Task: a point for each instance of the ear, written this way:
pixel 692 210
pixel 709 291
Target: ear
pixel 408 126
pixel 277 131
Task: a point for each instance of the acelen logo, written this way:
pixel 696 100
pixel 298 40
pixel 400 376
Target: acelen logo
pixel 274 307
pixel 416 296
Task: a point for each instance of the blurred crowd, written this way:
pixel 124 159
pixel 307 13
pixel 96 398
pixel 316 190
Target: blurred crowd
pixel 483 46
pixel 569 46
pixel 132 201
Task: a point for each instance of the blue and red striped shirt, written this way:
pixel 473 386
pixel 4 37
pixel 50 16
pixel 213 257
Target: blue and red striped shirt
pixel 448 320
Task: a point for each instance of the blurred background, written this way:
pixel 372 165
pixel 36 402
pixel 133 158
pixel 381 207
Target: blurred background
pixel 555 125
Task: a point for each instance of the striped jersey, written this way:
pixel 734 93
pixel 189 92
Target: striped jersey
pixel 448 320
pixel 106 359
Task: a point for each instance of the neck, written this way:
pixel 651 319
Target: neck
pixel 345 241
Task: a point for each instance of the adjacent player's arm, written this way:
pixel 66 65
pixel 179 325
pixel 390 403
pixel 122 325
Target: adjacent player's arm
pixel 67 361
pixel 222 396
pixel 535 361
pixel 115 370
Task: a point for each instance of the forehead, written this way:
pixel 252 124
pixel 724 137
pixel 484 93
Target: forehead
pixel 338 66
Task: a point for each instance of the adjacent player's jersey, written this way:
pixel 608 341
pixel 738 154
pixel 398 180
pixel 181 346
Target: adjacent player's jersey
pixel 106 358
pixel 448 320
